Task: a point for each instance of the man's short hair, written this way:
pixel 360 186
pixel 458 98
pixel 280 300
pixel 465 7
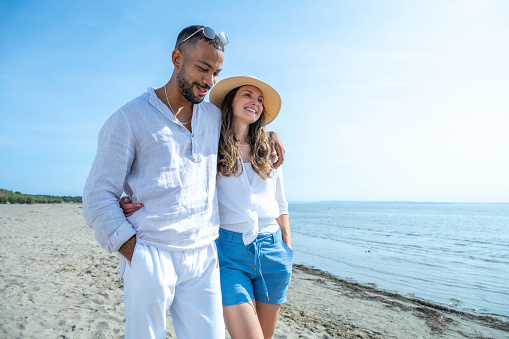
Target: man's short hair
pixel 188 31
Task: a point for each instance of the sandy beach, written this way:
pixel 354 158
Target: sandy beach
pixel 56 282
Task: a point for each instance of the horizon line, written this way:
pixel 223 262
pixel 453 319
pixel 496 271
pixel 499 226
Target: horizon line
pixel 387 202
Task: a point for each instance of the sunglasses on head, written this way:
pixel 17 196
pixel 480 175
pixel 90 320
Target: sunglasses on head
pixel 209 33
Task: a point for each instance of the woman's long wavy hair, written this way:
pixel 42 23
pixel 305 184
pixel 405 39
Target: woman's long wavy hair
pixel 228 154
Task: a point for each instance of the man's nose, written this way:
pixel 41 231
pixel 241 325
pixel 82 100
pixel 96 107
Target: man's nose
pixel 209 80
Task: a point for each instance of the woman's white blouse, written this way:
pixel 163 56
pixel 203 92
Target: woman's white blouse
pixel 249 206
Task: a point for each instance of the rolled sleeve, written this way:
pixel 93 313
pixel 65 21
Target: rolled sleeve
pixel 120 236
pixel 105 183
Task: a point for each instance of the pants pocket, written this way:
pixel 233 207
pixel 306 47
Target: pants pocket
pixel 288 249
pixel 136 246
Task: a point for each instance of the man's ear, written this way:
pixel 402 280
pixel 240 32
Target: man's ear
pixel 177 58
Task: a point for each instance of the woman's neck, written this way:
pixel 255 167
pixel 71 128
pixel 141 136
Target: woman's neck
pixel 241 132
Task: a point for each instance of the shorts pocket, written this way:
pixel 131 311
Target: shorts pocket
pixel 288 249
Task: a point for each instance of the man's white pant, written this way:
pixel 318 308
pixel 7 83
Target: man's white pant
pixel 186 283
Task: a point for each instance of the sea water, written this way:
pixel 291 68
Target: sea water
pixel 454 254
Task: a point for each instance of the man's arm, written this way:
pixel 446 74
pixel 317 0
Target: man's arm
pixel 277 149
pixel 128 208
pixel 105 183
pixel 127 249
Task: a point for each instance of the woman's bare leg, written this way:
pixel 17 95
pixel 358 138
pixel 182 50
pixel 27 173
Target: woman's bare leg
pixel 267 316
pixel 242 321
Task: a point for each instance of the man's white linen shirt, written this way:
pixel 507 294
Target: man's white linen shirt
pixel 249 206
pixel 146 152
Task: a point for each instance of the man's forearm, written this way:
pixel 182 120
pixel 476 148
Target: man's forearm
pixel 127 249
pixel 102 213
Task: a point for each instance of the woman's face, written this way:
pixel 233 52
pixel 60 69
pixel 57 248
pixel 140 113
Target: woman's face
pixel 247 105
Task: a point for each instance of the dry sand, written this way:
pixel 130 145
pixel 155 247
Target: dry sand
pixel 56 282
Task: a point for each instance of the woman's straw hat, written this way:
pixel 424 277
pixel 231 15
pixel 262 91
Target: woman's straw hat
pixel 271 98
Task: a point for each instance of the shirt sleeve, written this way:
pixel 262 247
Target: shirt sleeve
pixel 104 186
pixel 280 192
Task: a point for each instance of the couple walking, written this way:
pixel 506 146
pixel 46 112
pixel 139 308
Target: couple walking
pixel 205 230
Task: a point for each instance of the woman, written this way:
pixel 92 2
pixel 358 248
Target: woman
pixel 254 244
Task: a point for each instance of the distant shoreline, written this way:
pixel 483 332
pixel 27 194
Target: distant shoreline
pixel 374 202
pixel 78 199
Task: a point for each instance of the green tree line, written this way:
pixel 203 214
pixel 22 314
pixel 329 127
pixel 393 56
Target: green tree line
pixel 11 197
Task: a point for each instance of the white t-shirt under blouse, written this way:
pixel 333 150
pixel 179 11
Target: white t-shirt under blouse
pixel 251 206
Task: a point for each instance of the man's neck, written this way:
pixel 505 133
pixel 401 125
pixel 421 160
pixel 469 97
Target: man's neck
pixel 182 109
pixel 174 100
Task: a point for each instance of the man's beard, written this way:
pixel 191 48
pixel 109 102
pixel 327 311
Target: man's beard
pixel 186 88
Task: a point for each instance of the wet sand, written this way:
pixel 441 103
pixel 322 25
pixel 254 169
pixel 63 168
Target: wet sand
pixel 56 282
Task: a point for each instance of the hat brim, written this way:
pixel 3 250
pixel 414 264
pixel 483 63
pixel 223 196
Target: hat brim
pixel 271 98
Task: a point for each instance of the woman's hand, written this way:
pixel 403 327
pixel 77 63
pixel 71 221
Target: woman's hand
pixel 128 207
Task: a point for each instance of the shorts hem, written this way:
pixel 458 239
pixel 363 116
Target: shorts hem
pixel 236 300
pixel 271 301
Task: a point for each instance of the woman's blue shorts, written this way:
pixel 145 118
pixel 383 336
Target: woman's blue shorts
pixel 261 270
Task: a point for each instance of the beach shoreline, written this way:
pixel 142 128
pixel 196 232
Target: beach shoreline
pixel 441 320
pixel 57 282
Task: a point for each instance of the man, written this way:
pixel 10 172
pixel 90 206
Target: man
pixel 161 149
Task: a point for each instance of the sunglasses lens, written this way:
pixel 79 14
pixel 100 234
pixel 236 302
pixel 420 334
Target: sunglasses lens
pixel 209 32
pixel 224 39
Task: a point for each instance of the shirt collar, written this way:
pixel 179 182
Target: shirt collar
pixel 159 105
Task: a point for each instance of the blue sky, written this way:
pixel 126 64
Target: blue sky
pixel 382 100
